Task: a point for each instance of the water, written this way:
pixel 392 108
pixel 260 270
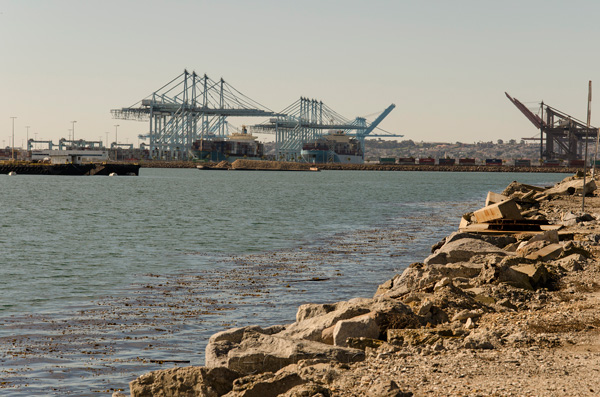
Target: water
pixel 104 278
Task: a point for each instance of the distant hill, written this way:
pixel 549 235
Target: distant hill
pixel 509 151
pixel 374 149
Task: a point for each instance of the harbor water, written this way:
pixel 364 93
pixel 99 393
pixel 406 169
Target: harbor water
pixel 104 279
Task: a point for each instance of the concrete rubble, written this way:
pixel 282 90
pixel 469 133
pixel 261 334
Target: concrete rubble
pixel 483 304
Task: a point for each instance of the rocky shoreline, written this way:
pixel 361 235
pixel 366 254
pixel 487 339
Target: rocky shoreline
pixel 293 166
pixel 510 312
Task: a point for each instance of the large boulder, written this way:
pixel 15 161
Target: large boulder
pixel 420 276
pixel 268 353
pixel 462 251
pixel 220 343
pixel 186 381
pixel 360 326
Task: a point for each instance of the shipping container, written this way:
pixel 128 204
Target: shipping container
pixel 576 163
pixel 493 161
pixel 523 163
pixel 427 161
pixel 446 161
pixel 387 160
pixel 552 163
pixel 406 160
pixel 466 161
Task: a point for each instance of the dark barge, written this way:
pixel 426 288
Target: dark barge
pixel 29 168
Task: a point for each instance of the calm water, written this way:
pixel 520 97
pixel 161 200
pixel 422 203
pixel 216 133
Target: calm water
pixel 101 276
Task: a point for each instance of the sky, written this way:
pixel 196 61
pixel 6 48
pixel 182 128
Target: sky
pixel 445 64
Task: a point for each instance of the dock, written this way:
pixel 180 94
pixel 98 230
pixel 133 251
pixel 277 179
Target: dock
pixel 30 168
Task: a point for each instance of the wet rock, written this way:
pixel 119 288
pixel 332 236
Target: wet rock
pixel 187 381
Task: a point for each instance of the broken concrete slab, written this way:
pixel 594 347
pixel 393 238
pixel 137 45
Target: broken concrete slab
pixel 505 210
pixel 547 253
pixel 537 273
pixel 494 198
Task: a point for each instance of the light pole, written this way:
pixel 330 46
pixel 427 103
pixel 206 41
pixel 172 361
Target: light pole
pixel 116 142
pixel 27 138
pixel 73 130
pixel 13 137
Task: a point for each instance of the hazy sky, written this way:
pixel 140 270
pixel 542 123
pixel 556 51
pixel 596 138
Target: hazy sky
pixel 445 64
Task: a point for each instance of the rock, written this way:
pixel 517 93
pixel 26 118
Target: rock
pixel 571 248
pixel 360 326
pixel 362 343
pixel 307 390
pixel 573 262
pixel 381 289
pixel 479 339
pixel 469 324
pixel 537 273
pixel 529 247
pixel 547 253
pixel 420 337
pixel 118 394
pixel 186 381
pixel 311 310
pixel 550 235
pixel 442 283
pixel 520 187
pixel 387 388
pixel 585 218
pixel 265 384
pixel 425 308
pixel 466 314
pixel 315 320
pixel 504 273
pixel 268 353
pixel 568 188
pixel 220 343
pixel 506 303
pixel 462 251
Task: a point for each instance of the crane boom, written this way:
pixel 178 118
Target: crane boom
pixel 534 118
pixel 378 120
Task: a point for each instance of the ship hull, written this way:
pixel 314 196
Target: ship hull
pixel 217 156
pixel 322 156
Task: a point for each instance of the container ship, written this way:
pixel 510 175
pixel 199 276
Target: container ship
pixel 235 146
pixel 335 147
